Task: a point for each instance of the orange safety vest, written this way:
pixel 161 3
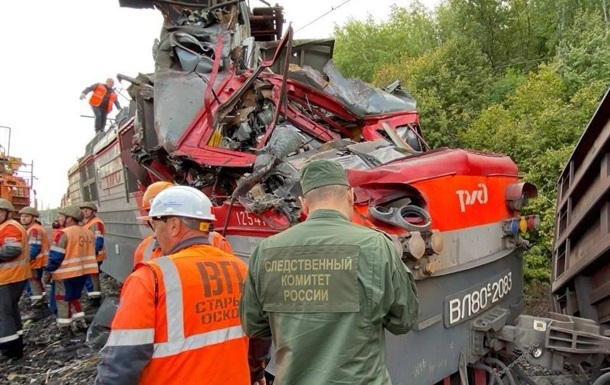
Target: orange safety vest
pixel 217 240
pixel 197 333
pixel 146 251
pixel 43 257
pixel 18 269
pixel 102 254
pixel 98 95
pixel 54 233
pixel 79 257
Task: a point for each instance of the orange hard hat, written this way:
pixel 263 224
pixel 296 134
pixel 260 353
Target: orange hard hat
pixel 152 191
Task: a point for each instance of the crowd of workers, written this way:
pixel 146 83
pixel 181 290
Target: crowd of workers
pixel 315 299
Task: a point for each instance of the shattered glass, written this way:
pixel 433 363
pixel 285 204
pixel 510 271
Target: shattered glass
pixel 359 97
pixel 362 98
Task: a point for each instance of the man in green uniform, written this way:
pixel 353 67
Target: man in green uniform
pixel 326 289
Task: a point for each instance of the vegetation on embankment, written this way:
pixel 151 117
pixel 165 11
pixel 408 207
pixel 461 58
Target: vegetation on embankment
pixel 518 77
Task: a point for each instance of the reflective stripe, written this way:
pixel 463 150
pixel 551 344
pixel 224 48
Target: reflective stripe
pixel 173 299
pixel 35 242
pixel 12 337
pixel 13 244
pixel 78 315
pixel 148 251
pixel 95 294
pixel 221 240
pixel 19 332
pixel 74 268
pixel 198 341
pixel 64 321
pixel 175 319
pixel 81 259
pixel 58 249
pixel 131 337
pixel 35 297
pixel 8 265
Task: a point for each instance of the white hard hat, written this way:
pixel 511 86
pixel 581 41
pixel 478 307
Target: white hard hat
pixel 181 201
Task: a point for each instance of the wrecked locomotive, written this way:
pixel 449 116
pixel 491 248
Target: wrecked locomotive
pixel 236 111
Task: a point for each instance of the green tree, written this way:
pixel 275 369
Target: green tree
pixel 362 47
pixel 451 85
pixel 584 52
pixel 518 77
pixel 505 85
pixel 537 127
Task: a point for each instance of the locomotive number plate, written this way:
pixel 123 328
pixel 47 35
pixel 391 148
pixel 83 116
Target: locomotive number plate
pixel 468 303
pixel 246 219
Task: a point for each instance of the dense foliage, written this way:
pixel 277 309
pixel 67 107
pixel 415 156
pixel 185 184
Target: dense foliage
pixel 519 77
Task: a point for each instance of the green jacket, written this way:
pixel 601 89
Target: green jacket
pixel 324 290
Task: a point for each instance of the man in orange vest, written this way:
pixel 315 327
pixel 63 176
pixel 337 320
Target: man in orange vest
pixel 94 224
pixel 56 228
pixel 71 259
pixel 14 271
pixel 178 318
pixel 149 248
pixel 101 102
pixel 38 242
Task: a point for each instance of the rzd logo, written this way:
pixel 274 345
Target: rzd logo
pixel 468 198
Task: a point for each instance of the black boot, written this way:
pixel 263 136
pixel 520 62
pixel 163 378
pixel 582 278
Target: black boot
pixel 37 313
pixel 67 337
pixel 78 326
pixel 12 349
pixel 4 359
pixel 95 301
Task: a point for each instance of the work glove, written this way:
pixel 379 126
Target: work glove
pixel 82 96
pixel 46 277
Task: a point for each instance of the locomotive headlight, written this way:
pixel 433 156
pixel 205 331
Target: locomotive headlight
pixel 517 195
pixel 435 243
pixel 415 245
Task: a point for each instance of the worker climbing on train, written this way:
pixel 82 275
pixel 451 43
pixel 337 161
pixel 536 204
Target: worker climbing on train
pixel 94 224
pixel 177 322
pixel 38 242
pixel 149 248
pixel 14 272
pixel 71 260
pixel 101 101
pixel 328 327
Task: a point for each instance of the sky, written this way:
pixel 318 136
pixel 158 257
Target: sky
pixel 47 60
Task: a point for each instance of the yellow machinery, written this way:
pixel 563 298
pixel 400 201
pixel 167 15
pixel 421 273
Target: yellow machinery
pixel 16 178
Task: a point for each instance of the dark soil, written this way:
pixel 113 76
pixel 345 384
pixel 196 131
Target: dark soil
pixel 51 358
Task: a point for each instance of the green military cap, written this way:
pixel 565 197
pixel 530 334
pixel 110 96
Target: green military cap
pixel 320 173
pixel 71 211
pixel 88 205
